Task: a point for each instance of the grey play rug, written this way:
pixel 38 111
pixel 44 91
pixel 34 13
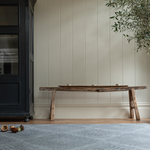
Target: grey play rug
pixel 78 137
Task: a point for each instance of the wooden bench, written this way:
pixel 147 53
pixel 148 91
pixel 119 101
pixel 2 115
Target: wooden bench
pixel 131 89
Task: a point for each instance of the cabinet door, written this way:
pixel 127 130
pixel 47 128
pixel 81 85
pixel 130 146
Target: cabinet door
pixel 12 57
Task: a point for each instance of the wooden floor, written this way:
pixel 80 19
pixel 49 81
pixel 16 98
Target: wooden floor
pixel 75 121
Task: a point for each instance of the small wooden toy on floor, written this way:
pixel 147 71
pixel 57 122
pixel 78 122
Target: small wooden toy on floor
pixel 13 129
pixel 4 128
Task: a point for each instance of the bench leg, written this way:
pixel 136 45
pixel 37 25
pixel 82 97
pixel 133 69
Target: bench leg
pixel 52 107
pixel 131 105
pixel 133 98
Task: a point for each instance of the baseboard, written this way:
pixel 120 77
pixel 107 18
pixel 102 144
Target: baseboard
pixel 88 111
pixel 107 104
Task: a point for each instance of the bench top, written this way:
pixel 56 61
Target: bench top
pixel 87 88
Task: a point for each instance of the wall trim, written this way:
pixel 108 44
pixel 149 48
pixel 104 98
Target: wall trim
pixel 119 104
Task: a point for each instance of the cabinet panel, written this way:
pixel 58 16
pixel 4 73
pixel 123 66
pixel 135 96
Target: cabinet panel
pixel 12 97
pixel 8 54
pixel 10 15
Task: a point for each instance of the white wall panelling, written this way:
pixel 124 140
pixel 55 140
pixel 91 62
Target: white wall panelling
pixel 103 58
pixel 42 50
pixel 128 66
pixel 91 37
pixel 54 45
pixel 78 48
pixel 141 74
pixel 66 48
pixel 116 60
pixel 74 44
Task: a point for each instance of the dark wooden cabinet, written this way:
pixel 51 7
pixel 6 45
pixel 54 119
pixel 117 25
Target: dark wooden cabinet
pixel 17 58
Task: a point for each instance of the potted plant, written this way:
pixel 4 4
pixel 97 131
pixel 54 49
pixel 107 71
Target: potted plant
pixel 133 16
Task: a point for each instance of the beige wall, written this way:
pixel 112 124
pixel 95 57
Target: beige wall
pixel 74 44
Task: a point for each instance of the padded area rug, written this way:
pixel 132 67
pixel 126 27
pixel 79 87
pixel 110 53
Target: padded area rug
pixel 78 137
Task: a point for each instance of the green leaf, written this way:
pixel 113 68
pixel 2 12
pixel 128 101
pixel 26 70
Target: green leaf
pixel 132 16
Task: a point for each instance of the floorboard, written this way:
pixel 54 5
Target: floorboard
pixel 74 121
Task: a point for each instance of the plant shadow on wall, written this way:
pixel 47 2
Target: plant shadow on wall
pixel 134 16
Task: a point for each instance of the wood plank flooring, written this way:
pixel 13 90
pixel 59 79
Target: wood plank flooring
pixel 75 121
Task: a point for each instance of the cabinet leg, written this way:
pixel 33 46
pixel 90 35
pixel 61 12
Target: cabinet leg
pixel 26 119
pixel 31 117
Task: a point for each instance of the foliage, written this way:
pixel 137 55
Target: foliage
pixel 134 16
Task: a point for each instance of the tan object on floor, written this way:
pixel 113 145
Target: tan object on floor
pixel 4 128
pixel 12 127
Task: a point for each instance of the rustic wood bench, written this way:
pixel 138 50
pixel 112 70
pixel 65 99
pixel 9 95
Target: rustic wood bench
pixel 131 89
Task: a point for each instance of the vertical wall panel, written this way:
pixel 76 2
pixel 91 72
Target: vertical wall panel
pixel 42 49
pixel 116 61
pixel 79 48
pixel 128 66
pixel 54 44
pixel 148 78
pixel 141 75
pixel 103 50
pixel 66 48
pixel 91 27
